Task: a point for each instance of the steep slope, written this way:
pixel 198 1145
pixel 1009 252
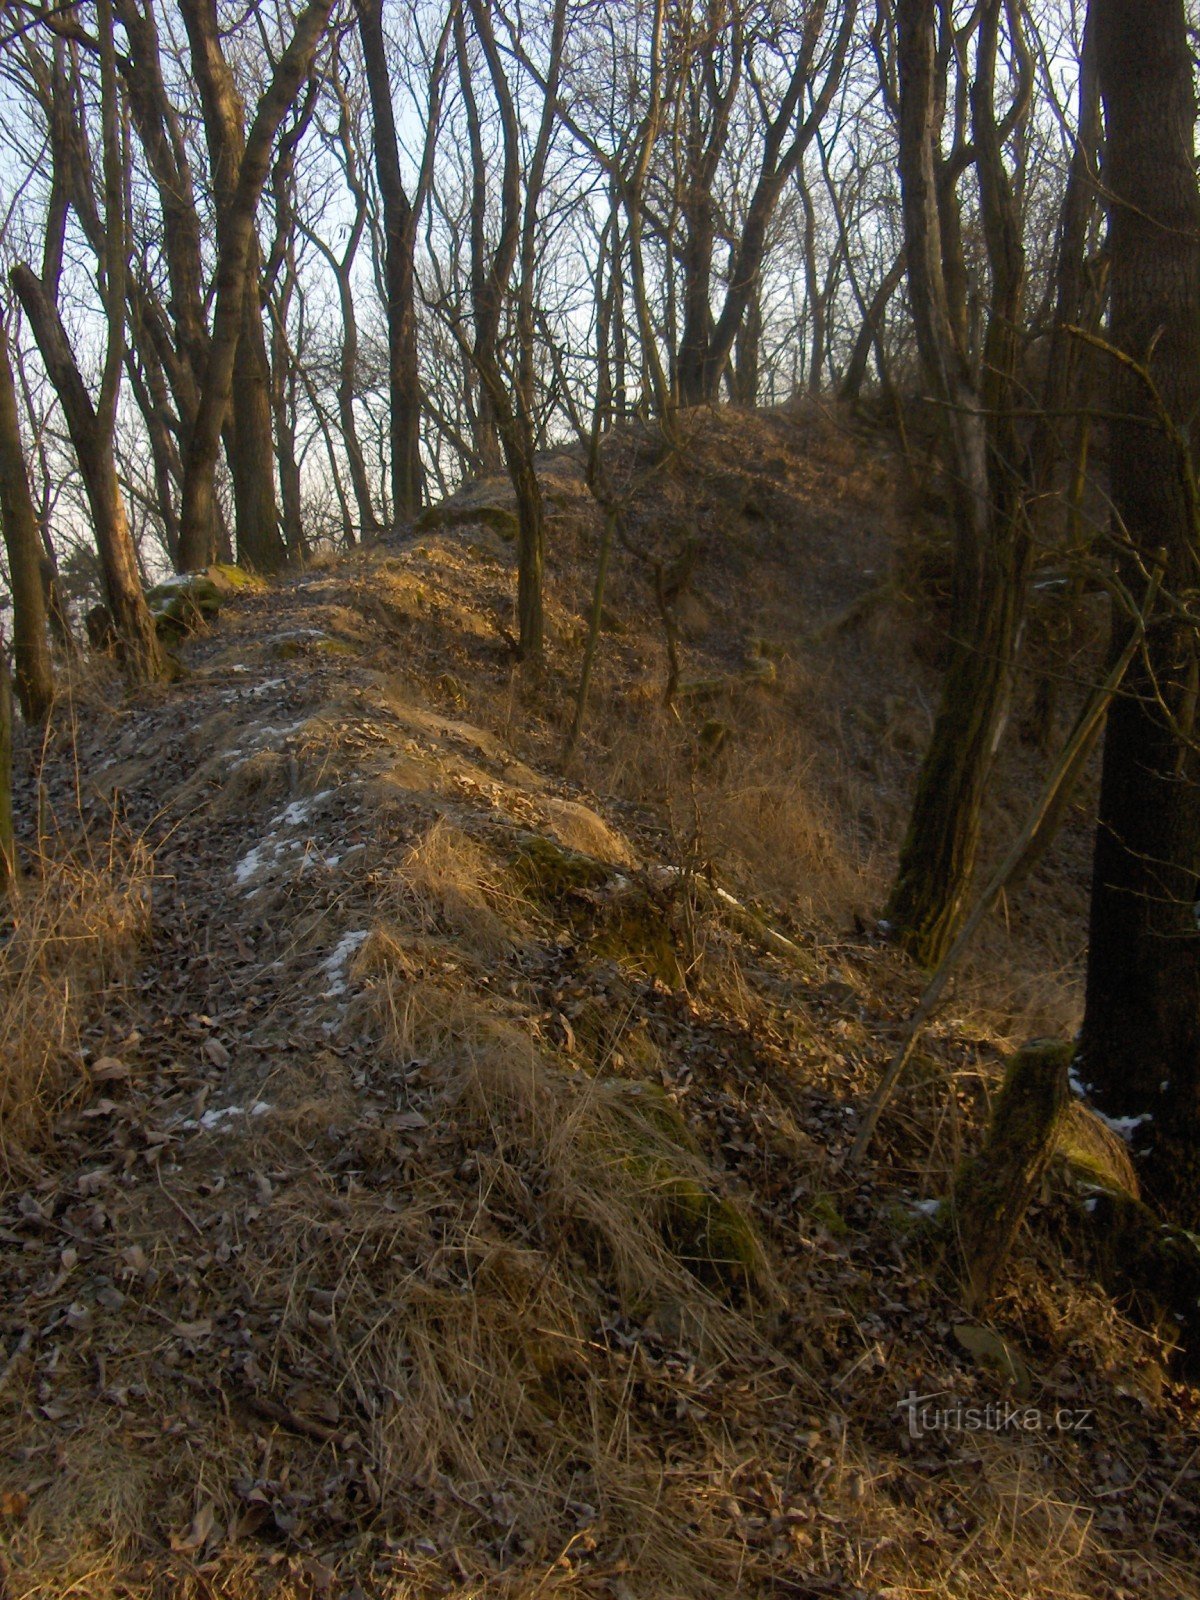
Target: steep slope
pixel 447 1200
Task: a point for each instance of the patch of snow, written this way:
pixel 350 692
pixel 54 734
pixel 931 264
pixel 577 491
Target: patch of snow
pixel 254 860
pixel 336 962
pixel 1125 1127
pixel 299 810
pixel 219 1114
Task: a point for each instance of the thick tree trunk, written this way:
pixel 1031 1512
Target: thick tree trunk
pixel 747 355
pixel 139 648
pixel 237 251
pixel 252 453
pixel 256 525
pixel 696 265
pixel 991 549
pixel 22 540
pixel 399 229
pixel 1140 1049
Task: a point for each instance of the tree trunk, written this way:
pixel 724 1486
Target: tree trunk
pixel 256 526
pixel 993 1191
pixel 237 252
pixel 31 649
pixel 991 549
pixel 139 649
pixel 8 842
pixel 1140 1048
pixel 399 229
pixel 869 334
pixel 696 264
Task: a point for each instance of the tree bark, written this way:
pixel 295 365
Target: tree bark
pixel 22 540
pixel 399 230
pixel 249 441
pixel 1140 1046
pixel 237 252
pixel 994 1190
pixel 93 442
pixel 991 549
pixel 8 841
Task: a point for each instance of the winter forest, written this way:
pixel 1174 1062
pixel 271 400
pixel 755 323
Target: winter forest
pixel 599 798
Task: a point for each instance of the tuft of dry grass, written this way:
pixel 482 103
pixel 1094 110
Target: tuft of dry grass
pixel 75 926
pixel 451 882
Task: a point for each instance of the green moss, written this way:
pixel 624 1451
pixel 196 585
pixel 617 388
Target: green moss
pixel 638 937
pixel 822 1208
pixel 1090 1156
pixel 552 871
pixel 181 605
pixel 709 1233
pixel 235 578
pixel 661 1161
pixel 336 647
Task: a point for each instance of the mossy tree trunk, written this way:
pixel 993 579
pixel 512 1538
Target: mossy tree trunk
pixel 993 1190
pixel 1140 1049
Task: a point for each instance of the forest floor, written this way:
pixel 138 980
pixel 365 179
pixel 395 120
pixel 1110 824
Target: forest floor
pixel 423 1180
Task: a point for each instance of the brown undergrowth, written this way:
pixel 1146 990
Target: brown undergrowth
pixel 71 931
pixel 462 1210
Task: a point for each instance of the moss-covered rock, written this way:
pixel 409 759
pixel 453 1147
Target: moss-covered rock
pixel 489 502
pixel 711 1235
pixel 234 580
pixel 182 604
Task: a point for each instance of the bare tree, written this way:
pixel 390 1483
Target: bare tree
pixel 92 424
pixel 236 280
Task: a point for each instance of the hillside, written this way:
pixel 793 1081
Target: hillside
pixel 425 1164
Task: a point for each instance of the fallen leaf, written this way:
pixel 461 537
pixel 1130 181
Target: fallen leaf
pixel 109 1069
pixel 193 1330
pixel 217 1053
pixel 994 1351
pixel 198 1533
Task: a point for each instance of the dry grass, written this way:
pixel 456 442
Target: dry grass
pixel 540 1277
pixel 75 927
pixel 452 883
